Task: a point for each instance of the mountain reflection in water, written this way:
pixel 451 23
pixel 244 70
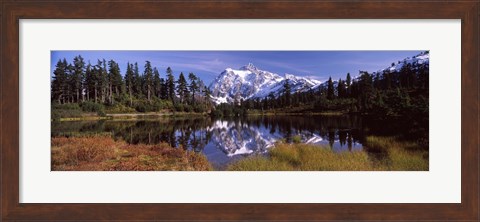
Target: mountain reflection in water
pixel 226 140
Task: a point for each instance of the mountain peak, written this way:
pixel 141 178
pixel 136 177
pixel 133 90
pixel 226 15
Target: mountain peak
pixel 249 66
pixel 289 76
pixel 249 82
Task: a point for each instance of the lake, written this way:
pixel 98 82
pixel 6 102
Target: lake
pixel 229 139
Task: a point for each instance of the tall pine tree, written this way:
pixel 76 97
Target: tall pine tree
pixel 330 90
pixel 341 88
pixel 193 85
pixel 137 84
pixel 129 82
pixel 148 80
pixel 170 84
pixel 182 90
pixel 157 84
pixel 89 81
pixel 59 83
pixel 348 84
pixel 77 79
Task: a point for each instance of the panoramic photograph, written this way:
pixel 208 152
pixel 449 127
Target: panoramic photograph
pixel 239 110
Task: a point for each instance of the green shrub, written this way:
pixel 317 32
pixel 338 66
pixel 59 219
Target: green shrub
pixel 119 108
pixel 66 106
pixel 199 109
pixel 141 107
pixel 68 110
pixel 89 106
pixel 188 108
pixel 57 114
pixel 334 105
pixel 179 107
pixel 155 105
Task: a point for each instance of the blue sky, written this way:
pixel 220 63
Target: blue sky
pixel 208 64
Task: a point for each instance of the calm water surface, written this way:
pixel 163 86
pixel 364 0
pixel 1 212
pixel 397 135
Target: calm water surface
pixel 227 140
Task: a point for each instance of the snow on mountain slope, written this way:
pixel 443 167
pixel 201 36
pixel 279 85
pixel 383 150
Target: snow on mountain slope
pixel 235 138
pixel 421 58
pixel 251 82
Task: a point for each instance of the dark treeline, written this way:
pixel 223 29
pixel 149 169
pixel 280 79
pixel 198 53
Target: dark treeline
pixel 94 87
pixel 390 93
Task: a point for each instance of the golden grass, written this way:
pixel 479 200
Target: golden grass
pixel 400 156
pixel 406 156
pixel 104 154
pixel 260 163
pixel 304 157
pixel 100 153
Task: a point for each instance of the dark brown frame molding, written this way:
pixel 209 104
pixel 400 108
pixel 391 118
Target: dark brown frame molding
pixel 14 10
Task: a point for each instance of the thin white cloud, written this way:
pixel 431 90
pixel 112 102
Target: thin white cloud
pixel 213 67
pixel 286 66
pixel 319 78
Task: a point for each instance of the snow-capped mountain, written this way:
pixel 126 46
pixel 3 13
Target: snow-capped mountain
pixel 251 82
pixel 422 58
pixel 235 138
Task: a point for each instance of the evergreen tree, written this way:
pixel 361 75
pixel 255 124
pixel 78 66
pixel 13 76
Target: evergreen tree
pixel 348 84
pixel 193 85
pixel 78 73
pixel 182 90
pixel 157 84
pixel 103 80
pixel 137 81
pixel 287 92
pixel 170 84
pixel 118 86
pixel 129 82
pixel 103 83
pixel 387 79
pixel 366 90
pixel 90 82
pixel 97 80
pixel 208 96
pixel 59 83
pixel 341 89
pixel 376 81
pixel 163 89
pixel 271 101
pixel 330 90
pixel 148 80
pixel 423 80
pixel 71 88
pixel 406 79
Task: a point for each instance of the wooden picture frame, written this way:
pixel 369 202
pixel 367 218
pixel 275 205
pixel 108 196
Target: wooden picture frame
pixel 12 11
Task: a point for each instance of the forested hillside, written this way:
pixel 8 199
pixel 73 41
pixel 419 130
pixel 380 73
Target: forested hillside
pixel 81 87
pixel 401 89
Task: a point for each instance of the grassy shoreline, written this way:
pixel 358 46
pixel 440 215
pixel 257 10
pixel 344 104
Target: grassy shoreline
pixel 114 116
pixel 397 156
pixel 102 153
pixel 119 116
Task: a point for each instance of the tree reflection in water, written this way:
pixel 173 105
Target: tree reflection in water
pixel 238 136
